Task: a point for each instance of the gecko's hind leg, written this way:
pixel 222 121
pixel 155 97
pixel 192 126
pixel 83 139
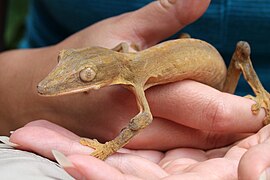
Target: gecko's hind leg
pixel 241 63
pixel 184 36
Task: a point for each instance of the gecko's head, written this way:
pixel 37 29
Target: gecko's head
pixel 80 70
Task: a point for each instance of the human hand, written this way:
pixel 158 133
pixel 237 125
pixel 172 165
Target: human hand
pixel 195 114
pixel 213 118
pixel 144 27
pixel 231 162
pixel 28 67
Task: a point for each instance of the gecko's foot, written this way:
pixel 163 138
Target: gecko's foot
pixel 92 143
pixel 184 36
pixel 102 151
pixel 262 101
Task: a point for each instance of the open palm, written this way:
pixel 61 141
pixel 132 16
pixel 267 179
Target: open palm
pixel 188 163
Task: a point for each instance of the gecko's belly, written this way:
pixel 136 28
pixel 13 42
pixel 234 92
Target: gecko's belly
pixel 212 78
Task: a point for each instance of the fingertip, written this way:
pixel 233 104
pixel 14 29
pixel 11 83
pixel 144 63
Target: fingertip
pixel 19 137
pixel 67 165
pixel 6 141
pixel 255 162
pixel 93 168
pixel 161 19
pixel 265 174
pixel 61 159
pixel 234 114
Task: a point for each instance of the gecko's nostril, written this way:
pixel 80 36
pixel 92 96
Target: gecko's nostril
pixel 40 89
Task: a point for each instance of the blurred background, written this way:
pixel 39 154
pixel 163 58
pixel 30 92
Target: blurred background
pixel 12 16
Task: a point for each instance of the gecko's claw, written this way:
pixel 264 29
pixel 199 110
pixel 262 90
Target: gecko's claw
pixel 262 101
pixel 102 151
pixel 255 108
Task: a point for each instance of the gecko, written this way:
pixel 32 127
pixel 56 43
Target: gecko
pixel 81 70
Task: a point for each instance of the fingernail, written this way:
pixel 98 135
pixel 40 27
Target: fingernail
pixel 166 164
pixel 265 175
pixel 62 159
pixel 67 165
pixel 5 140
pixel 11 132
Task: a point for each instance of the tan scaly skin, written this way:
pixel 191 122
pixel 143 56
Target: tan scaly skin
pixel 80 70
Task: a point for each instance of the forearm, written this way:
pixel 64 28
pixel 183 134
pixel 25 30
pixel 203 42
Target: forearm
pixel 20 71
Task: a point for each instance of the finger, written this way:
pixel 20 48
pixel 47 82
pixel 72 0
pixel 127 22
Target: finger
pixel 192 163
pixel 198 106
pixel 160 19
pixel 119 167
pixel 164 134
pixel 183 156
pixel 42 140
pixel 43 136
pixel 85 167
pixel 137 166
pixel 150 155
pixel 255 163
pixel 53 127
pixel 144 27
pixel 188 168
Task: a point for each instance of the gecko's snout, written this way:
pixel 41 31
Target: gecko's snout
pixel 41 89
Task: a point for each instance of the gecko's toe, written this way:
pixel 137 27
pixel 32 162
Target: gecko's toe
pixel 92 143
pixel 244 49
pixel 262 101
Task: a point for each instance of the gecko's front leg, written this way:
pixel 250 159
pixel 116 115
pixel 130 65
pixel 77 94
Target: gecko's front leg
pixel 137 123
pixel 241 63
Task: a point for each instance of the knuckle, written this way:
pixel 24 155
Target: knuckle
pixel 216 114
pixel 212 140
pixel 216 140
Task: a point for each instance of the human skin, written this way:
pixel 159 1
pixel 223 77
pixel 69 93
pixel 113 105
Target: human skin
pixel 246 159
pixel 181 110
pixel 191 120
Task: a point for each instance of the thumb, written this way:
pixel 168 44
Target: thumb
pixel 161 19
pixel 255 162
pixel 144 27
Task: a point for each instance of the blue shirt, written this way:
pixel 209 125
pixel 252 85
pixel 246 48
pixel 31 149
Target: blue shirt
pixel 223 25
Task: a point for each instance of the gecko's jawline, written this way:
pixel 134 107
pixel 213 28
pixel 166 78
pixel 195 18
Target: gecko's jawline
pixel 61 93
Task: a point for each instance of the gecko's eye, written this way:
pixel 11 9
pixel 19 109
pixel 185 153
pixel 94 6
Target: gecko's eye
pixel 87 74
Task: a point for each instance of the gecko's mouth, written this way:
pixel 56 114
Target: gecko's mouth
pixel 61 90
pixel 41 90
pixel 45 91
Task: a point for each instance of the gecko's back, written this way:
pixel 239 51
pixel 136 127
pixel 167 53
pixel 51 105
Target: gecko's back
pixel 181 59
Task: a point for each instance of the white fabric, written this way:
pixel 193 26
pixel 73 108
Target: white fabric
pixel 17 164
